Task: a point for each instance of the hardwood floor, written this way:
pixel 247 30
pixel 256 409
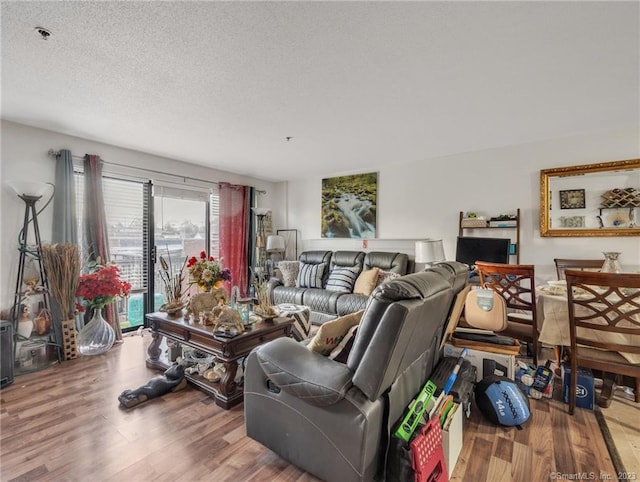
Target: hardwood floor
pixel 622 421
pixel 65 423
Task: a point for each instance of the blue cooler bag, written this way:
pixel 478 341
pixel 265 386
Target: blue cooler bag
pixel 502 402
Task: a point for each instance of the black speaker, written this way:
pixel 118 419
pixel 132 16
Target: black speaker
pixel 6 353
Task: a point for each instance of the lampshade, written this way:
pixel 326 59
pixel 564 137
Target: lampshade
pixel 261 211
pixel 429 251
pixel 28 188
pixel 275 243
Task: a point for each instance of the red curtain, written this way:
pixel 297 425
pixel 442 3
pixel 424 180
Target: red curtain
pixel 96 241
pixel 234 233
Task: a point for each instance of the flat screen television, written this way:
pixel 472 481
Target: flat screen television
pixel 492 250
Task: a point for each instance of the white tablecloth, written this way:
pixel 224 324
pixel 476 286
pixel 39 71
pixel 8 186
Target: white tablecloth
pixel 553 314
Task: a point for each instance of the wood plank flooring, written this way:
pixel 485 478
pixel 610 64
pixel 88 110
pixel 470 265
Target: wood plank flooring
pixel 65 423
pixel 622 420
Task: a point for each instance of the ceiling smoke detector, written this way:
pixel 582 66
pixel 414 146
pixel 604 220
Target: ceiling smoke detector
pixel 44 33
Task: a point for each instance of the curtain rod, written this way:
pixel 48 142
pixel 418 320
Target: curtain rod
pixel 53 153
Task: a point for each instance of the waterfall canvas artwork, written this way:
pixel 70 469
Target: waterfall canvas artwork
pixel 349 206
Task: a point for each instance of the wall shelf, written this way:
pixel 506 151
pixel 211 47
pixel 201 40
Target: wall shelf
pixel 464 226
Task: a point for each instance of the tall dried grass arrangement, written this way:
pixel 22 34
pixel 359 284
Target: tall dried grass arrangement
pixel 62 264
pixel 264 308
pixel 172 282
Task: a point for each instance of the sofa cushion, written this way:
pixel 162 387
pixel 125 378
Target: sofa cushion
pixel 350 302
pixel 332 332
pixel 396 262
pixel 283 294
pixel 310 275
pixel 306 375
pixel 366 282
pixel 319 299
pixel 347 259
pixel 343 279
pixel 289 270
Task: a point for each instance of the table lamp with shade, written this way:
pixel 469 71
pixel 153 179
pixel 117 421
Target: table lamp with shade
pixel 429 251
pixel 275 247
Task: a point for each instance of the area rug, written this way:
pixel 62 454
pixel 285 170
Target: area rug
pixel 611 445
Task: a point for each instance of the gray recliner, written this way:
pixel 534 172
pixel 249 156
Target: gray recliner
pixel 334 420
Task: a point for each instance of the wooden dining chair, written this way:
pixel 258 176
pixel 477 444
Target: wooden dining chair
pixel 516 284
pixel 608 305
pixel 563 264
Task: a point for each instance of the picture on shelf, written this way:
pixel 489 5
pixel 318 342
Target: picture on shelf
pixel 572 221
pixel 572 199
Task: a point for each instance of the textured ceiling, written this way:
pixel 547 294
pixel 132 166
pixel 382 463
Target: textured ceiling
pixel 356 85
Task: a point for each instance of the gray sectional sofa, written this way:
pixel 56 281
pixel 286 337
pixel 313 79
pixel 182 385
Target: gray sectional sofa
pixel 324 303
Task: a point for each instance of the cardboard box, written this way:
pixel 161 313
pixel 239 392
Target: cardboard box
pixel 585 390
pixel 486 363
pixel 452 439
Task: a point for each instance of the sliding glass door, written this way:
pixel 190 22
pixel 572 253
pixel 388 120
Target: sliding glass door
pixel 182 228
pixel 127 214
pixel 146 221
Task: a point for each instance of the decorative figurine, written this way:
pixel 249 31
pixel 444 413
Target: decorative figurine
pixel 205 302
pixel 226 318
pixel 171 381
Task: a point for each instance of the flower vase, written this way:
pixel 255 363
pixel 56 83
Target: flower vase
pixel 611 263
pixel 97 336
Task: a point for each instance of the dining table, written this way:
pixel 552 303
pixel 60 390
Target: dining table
pixel 553 321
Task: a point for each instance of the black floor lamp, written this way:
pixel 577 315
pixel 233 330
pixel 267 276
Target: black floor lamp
pixel 30 193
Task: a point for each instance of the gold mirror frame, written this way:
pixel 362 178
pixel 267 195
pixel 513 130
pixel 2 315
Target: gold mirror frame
pixel 584 170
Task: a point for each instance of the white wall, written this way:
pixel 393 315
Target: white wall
pixel 24 158
pixel 416 199
pixel 423 199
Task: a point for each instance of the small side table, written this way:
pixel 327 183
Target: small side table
pixel 227 350
pixel 301 319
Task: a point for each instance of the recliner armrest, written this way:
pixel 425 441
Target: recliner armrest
pixel 303 373
pixel 273 282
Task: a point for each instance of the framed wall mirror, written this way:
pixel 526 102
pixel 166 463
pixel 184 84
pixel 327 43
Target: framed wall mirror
pixel 591 200
pixel 290 243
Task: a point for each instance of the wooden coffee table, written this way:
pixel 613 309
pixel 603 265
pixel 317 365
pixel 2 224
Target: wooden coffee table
pixel 226 393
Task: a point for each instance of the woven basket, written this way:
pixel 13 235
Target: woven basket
pixel 473 223
pixel 69 339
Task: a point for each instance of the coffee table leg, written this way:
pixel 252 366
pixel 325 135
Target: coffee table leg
pixel 228 383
